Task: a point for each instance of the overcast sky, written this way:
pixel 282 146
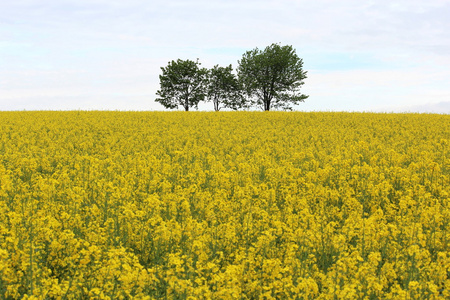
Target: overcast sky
pixel 384 55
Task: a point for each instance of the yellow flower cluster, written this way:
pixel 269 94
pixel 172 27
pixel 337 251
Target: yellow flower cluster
pixel 224 205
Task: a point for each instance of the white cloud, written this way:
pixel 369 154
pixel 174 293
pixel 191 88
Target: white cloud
pixel 384 52
pixel 376 90
pixel 437 108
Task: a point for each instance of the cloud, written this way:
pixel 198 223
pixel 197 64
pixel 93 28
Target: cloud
pixel 97 48
pixel 376 89
pixel 438 108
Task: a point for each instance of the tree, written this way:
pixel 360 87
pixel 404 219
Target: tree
pixel 183 83
pixel 272 78
pixel 224 88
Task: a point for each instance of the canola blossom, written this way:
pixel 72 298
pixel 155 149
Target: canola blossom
pixel 224 205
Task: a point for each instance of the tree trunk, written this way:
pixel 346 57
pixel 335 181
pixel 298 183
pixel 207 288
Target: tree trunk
pixel 216 105
pixel 186 103
pixel 267 105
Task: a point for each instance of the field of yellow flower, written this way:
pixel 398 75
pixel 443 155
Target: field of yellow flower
pixel 224 205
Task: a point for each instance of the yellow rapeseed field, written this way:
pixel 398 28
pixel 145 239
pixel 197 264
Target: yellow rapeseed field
pixel 224 205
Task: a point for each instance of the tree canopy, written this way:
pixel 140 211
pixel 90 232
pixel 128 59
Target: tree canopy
pixel 269 79
pixel 183 83
pixel 272 77
pixel 224 88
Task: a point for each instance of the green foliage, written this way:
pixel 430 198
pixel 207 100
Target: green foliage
pixel 272 78
pixel 183 83
pixel 224 89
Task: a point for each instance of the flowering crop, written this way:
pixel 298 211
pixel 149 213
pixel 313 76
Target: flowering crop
pixel 224 205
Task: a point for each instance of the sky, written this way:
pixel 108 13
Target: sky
pixel 384 55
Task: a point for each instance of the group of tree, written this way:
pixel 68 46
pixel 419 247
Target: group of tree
pixel 269 78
